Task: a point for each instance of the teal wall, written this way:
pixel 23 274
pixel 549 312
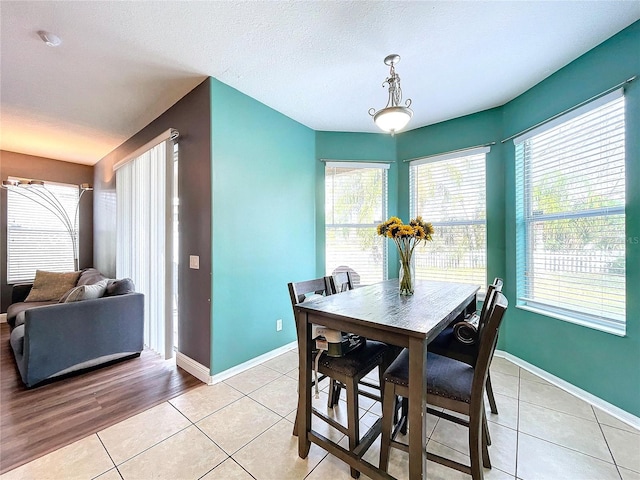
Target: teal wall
pixel 353 146
pixel 263 233
pixel 605 365
pixel 268 217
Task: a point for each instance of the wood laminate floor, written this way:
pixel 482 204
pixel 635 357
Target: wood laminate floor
pixel 37 421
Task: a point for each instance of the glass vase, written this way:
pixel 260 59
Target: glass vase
pixel 407 276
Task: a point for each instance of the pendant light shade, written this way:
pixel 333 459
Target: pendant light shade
pixel 394 117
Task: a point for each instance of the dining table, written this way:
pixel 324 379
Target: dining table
pixel 379 312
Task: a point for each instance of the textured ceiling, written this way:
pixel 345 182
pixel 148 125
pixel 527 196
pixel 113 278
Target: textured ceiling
pixel 121 64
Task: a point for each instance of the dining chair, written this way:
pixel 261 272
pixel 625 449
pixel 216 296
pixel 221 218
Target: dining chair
pixel 342 281
pixel 348 370
pixel 446 344
pixel 453 385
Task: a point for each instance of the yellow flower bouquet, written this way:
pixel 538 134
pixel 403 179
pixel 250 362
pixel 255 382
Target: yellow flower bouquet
pixel 407 237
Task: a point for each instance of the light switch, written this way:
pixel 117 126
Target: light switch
pixel 194 262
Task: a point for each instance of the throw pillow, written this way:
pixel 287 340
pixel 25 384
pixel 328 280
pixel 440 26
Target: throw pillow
pixel 51 285
pixel 119 287
pixel 86 292
pixel 90 276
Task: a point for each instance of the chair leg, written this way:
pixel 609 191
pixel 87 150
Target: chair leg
pixel 492 400
pixel 476 444
pixel 353 419
pixel 332 391
pixel 404 414
pixel 485 428
pixel 336 394
pixel 388 408
pixel 486 461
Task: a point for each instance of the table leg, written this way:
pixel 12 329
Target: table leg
pixel 303 416
pixel 417 409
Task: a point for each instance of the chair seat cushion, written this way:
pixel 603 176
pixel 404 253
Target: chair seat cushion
pixel 362 360
pixel 446 377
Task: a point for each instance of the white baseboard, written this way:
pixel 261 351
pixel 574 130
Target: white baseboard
pixel 3 318
pixel 611 409
pixel 203 374
pixel 194 368
pixel 219 377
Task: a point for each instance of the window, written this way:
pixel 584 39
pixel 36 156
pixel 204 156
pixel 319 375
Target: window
pixel 355 203
pixel 570 216
pixel 449 191
pixel 36 237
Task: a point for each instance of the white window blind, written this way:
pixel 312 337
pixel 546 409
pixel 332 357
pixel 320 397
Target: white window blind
pixel 144 252
pixel 355 203
pixel 571 218
pixel 36 237
pixel 449 191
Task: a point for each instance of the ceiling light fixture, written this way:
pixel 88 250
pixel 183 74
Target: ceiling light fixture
pixel 49 38
pixel 394 117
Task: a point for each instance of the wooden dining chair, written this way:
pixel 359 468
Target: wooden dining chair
pixel 452 385
pixel 348 370
pixel 446 344
pixel 339 282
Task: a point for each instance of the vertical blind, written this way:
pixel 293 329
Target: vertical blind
pixel 355 203
pixel 571 217
pixel 449 191
pixel 36 237
pixel 144 238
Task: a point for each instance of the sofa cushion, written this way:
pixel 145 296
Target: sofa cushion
pixel 15 308
pixel 51 285
pixel 20 319
pixel 17 340
pixel 85 292
pixel 120 287
pixel 90 276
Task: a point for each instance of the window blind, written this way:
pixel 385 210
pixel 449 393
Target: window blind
pixel 571 217
pixel 36 237
pixel 449 191
pixel 144 196
pixel 355 203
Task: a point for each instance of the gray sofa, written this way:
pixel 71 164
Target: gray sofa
pixel 50 339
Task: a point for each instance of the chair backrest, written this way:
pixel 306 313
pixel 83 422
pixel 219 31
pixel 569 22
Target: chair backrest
pixel 300 291
pixel 340 282
pixel 497 286
pixel 487 335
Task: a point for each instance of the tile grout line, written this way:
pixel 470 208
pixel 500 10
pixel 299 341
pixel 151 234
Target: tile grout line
pixel 109 455
pixel 560 411
pixel 607 443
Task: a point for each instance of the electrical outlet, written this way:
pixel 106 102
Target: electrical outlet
pixel 278 325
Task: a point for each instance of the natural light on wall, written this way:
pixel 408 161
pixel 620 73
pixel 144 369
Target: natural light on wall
pixel 571 217
pixel 449 190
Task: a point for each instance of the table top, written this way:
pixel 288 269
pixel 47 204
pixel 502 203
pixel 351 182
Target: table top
pixel 380 304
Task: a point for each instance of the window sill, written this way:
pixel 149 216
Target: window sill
pixel 618 331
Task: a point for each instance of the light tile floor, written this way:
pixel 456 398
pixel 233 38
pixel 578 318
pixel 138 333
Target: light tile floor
pixel 241 429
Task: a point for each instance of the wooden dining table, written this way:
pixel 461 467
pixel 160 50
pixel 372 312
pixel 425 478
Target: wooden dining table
pixel 379 312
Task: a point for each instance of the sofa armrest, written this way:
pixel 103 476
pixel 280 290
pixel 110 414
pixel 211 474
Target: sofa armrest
pixel 60 336
pixel 20 291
